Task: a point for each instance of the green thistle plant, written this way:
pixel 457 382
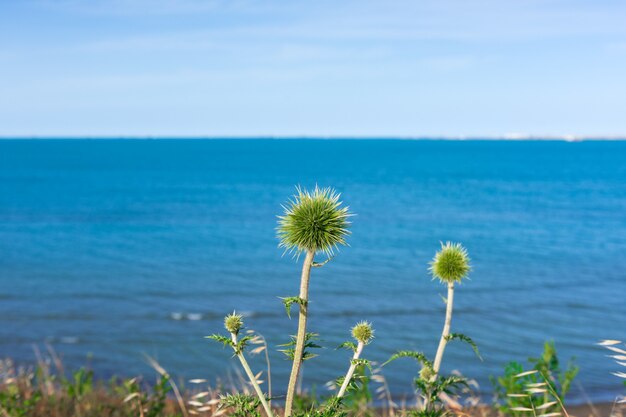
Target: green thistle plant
pixel 233 323
pixel 450 265
pixel 313 222
pixel 363 333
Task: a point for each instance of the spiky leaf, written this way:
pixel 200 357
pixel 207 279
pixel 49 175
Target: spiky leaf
pixel 466 339
pixel 289 301
pixel 309 343
pixel 418 356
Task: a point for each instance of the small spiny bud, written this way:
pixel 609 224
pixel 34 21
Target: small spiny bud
pixel 426 373
pixel 363 332
pixel 233 322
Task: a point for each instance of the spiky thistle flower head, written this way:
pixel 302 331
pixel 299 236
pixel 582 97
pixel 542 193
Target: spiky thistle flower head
pixel 233 322
pixel 314 221
pixel 427 372
pixel 363 332
pixel 451 264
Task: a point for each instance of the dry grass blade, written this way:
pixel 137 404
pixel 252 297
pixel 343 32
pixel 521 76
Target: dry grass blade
pixel 521 374
pixel 546 405
pixel 609 342
pixel 616 349
pixel 205 408
pixel 200 395
pixel 181 403
pixel 131 396
pixel 536 391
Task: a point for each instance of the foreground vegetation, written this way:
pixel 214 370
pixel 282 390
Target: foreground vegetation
pixel 314 223
pixel 48 390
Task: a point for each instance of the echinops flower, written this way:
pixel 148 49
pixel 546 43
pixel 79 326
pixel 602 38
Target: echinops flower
pixel 451 264
pixel 314 221
pixel 363 332
pixel 233 322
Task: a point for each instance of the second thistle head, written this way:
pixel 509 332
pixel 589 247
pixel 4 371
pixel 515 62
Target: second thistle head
pixel 363 332
pixel 314 221
pixel 233 323
pixel 451 264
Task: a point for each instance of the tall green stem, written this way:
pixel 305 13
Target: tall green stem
pixel 255 384
pixel 299 349
pixel 444 337
pixel 446 329
pixel 346 381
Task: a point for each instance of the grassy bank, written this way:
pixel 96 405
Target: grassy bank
pixel 49 390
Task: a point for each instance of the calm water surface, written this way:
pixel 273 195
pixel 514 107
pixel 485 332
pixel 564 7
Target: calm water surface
pixel 118 248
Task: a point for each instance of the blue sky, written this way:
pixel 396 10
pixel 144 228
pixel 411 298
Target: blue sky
pixel 315 68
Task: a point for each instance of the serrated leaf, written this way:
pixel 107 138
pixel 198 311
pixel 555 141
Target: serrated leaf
pixel 289 301
pixel 418 356
pixel 348 345
pixel 221 339
pixel 466 339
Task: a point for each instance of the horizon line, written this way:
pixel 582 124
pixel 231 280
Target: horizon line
pixel 505 137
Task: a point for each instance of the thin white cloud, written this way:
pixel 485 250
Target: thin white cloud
pixel 354 67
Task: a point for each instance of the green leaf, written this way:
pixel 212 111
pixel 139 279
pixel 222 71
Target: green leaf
pixel 288 301
pixel 309 343
pixel 222 339
pixel 348 345
pixel 418 356
pixel 466 339
pixel 242 343
pixel 362 362
pixel 320 264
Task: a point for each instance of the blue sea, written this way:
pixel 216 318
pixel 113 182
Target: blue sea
pixel 115 249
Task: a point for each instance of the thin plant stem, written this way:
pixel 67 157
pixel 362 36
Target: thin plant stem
pixel 532 404
pixel 255 384
pixel 444 338
pixel 269 374
pixel 300 337
pixel 350 373
pixel 554 394
pixel 179 398
pixel 446 329
pixel 269 368
pixel 390 403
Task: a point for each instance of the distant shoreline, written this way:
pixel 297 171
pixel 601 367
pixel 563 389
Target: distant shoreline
pixel 512 138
